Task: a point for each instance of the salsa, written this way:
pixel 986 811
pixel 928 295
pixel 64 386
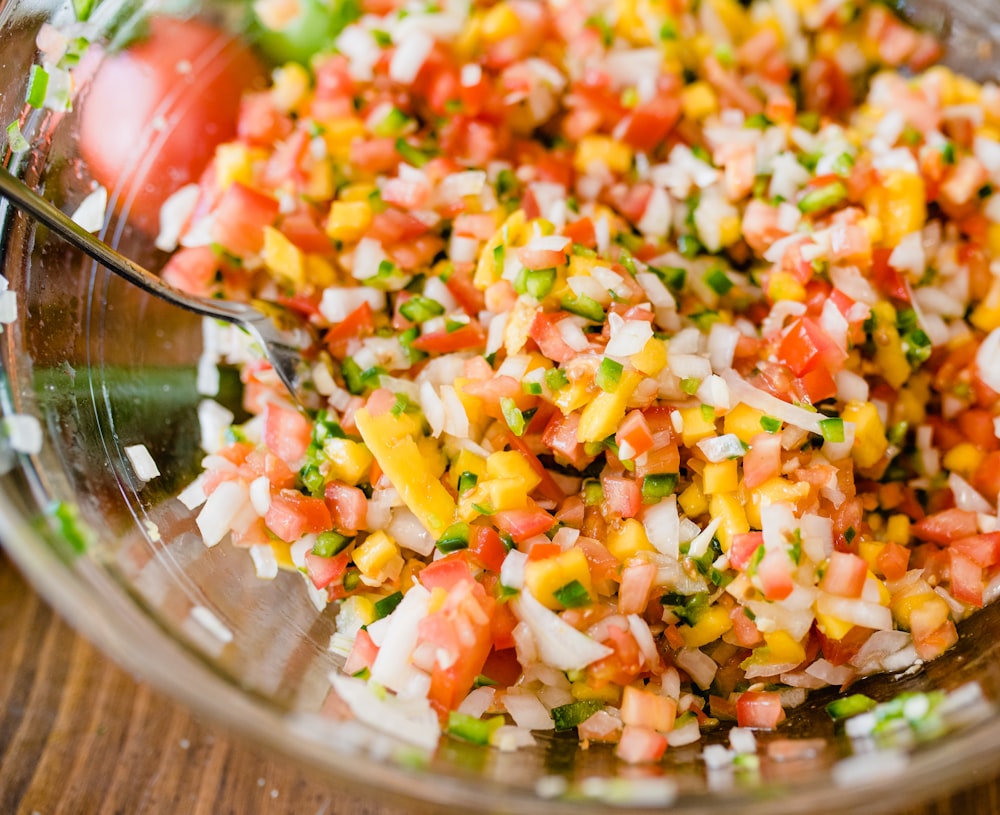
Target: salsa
pixel 659 380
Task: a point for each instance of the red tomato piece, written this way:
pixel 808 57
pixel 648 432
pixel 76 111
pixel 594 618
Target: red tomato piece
pixel 640 745
pixel 622 496
pixel 544 330
pixel 775 573
pixel 966 578
pixel 763 460
pixel 886 277
pixel 347 507
pixel 522 524
pixel 983 550
pixel 240 218
pixel 287 432
pixel 818 384
pixel 759 709
pixel 466 338
pixel 560 437
pixel 134 91
pixel 651 121
pixel 986 476
pixel 637 581
pixel 292 515
pixel 743 547
pixel 486 545
pixel 359 323
pixel 845 575
pixel 946 526
pixel 192 269
pixel 362 655
pixel 448 572
pixel 634 431
pixel 806 345
pixel 893 560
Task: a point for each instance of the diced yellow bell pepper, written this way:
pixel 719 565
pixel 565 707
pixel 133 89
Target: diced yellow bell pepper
pixel 693 500
pixel 696 425
pixel 870 442
pixel 390 440
pixel 543 578
pixel 963 458
pixel 728 507
pixel 602 416
pixel 284 259
pixel 376 555
pixel 711 625
pixel 348 220
pixel 627 538
pixel 720 477
pixel 602 150
pixel 349 461
pixel 743 422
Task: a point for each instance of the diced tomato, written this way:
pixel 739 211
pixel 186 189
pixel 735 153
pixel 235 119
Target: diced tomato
pixel 581 231
pixel 946 526
pixel 461 630
pixel 287 432
pixel 544 331
pixel 744 629
pixel 743 547
pixel 302 230
pixel 542 550
pixel 359 323
pixel 292 515
pixel 651 121
pixel 845 575
pixel 240 218
pixel 254 534
pixel 893 560
pixel 775 573
pixel 469 297
pixel 468 337
pixel 976 424
pixel 659 460
pixel 522 524
pixel 540 258
pixel 759 709
pixel 348 507
pixel 634 431
pixel 637 581
pixel 983 550
pixel 363 653
pixel 325 570
pixel 622 496
pixel 640 745
pixel 966 578
pixel 262 462
pixel 621 667
pixel 818 384
pixel 448 572
pixel 805 345
pixel 486 544
pixel 889 280
pixel 986 476
pixel 192 269
pixel 560 437
pixel 763 460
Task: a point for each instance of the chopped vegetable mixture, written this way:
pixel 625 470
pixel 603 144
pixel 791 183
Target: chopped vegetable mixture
pixel 660 367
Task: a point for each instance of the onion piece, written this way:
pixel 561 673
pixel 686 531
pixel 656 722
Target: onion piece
pixel 988 359
pixel 527 710
pixel 559 644
pixel 412 720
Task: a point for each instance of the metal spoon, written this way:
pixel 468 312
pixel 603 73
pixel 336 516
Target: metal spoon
pixel 283 334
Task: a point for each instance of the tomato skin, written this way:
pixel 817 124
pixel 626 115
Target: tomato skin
pixel 133 90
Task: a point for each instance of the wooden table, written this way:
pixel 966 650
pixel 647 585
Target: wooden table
pixel 80 736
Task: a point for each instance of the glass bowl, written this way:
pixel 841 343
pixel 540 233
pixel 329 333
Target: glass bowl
pixel 102 366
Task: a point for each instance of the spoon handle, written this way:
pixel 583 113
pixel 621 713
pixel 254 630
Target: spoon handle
pixel 30 202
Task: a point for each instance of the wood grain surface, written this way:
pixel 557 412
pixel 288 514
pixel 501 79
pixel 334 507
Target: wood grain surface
pixel 79 736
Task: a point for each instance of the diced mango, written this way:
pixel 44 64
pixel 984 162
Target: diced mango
pixel 510 234
pixel 900 204
pixel 728 507
pixel 543 578
pixel 349 461
pixel 889 353
pixel 389 439
pixel 931 607
pixel 711 625
pixel 783 648
pixel 289 86
pixel 693 500
pixel 339 133
pixel 499 22
pixel 511 464
pixel 832 627
pixel 699 101
pixel 652 358
pixel 357 192
pixel 986 315
pixel 869 550
pixel 777 490
pixel 348 220
pixel 870 442
pixel 411 568
pixel 627 538
pixel 720 477
pixel 697 425
pixel 501 494
pixel 377 555
pixel 574 396
pixel 604 414
pixel 963 458
pixel 319 184
pixel 785 286
pixel 466 462
pixel 743 422
pixel 234 162
pixel 283 554
pixel 320 272
pixel 284 259
pixel 603 151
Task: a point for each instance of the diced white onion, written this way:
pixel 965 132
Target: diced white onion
pixel 391 667
pixel 412 720
pixel 219 511
pixel 988 359
pixel 559 644
pixel 722 340
pixel 265 564
pixel 260 495
pixel 698 665
pixel 174 215
pixel 338 303
pixel 410 56
pixel 571 333
pixel 92 210
pixel 859 612
pixel 966 496
pixel 406 529
pixel 142 462
pixel 662 524
pixel 721 448
pixel 527 711
pixel 477 702
pixel 627 336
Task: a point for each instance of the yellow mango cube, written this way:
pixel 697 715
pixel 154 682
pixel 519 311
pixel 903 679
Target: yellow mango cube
pixel 339 133
pixel 697 425
pixel 348 220
pixel 652 358
pixel 604 414
pixel 785 286
pixel 729 508
pixel 284 259
pixel 693 500
pixel 602 151
pixel 502 493
pixel 627 538
pixel 832 627
pixel 710 626
pixel 869 550
pixel 720 477
pixel 499 22
pixel 963 458
pixel 699 101
pixel 870 442
pixel 349 461
pixel 743 422
pixel 900 204
pixel 783 648
pixel 466 462
pixel 283 554
pixel 376 555
pixel 508 235
pixel 511 464
pixel 543 578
